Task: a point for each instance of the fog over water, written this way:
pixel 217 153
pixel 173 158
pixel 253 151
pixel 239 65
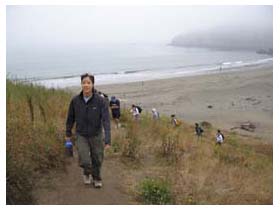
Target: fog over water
pixel 121 44
pixel 52 25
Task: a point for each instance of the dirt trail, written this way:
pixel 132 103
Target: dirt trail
pixel 68 187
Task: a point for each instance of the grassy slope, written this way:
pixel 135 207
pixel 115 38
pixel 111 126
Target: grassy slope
pixel 35 122
pixel 238 172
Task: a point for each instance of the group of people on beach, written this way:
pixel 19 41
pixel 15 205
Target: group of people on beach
pixel 219 135
pixel 89 111
pixel 136 112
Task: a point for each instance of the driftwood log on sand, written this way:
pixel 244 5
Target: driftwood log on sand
pixel 248 126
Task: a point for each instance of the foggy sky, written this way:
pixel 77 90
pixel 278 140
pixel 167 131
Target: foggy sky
pixel 52 25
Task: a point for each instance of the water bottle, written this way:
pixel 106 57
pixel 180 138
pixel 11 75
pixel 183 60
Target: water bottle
pixel 68 148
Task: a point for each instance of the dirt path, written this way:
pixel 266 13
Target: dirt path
pixel 68 187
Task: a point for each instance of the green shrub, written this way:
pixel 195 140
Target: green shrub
pixel 116 146
pixel 154 191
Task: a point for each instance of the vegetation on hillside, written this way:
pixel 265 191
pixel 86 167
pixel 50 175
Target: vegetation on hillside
pixel 34 144
pixel 161 164
pixel 197 171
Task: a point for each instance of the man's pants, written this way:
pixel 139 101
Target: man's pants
pixel 91 153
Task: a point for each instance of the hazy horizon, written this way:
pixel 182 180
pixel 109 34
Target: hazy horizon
pixel 42 26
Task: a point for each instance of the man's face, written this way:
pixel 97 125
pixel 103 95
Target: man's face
pixel 87 85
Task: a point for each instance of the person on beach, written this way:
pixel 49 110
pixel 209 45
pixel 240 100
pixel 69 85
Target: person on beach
pixel 103 95
pixel 135 112
pixel 155 114
pixel 198 131
pixel 115 110
pixel 174 121
pixel 90 112
pixel 219 137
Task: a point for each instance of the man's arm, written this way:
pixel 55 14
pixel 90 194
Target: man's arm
pixel 70 119
pixel 116 105
pixel 106 122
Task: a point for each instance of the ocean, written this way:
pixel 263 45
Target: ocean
pixel 61 66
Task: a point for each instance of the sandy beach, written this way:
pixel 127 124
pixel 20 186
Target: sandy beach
pixel 226 99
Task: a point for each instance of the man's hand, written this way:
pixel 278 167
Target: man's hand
pixel 67 138
pixel 107 146
pixel 114 107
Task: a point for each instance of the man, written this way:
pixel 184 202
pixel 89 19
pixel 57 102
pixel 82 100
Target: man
pixel 90 113
pixel 115 109
pixel 219 137
pixel 135 112
pixel 174 121
pixel 198 131
pixel 155 114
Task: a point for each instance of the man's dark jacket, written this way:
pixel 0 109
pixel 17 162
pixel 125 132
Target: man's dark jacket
pixel 89 117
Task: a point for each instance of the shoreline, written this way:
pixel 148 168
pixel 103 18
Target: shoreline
pixel 235 96
pixel 147 75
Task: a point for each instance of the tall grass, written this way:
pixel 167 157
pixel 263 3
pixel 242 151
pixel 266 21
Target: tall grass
pixel 35 123
pixel 131 143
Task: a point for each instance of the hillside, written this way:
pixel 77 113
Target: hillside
pixel 228 38
pixel 149 162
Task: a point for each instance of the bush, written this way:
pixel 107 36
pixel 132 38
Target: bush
pixel 34 144
pixel 131 148
pixel 126 117
pixel 131 143
pixel 155 191
pixel 116 146
pixel 206 124
pixel 19 185
pixel 171 147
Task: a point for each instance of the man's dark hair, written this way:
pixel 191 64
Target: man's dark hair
pixel 91 77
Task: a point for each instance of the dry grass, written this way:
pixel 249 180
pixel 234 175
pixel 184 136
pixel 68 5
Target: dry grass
pixel 35 123
pixel 238 172
pixel 199 172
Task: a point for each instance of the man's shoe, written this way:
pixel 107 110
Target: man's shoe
pixel 97 183
pixel 87 179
